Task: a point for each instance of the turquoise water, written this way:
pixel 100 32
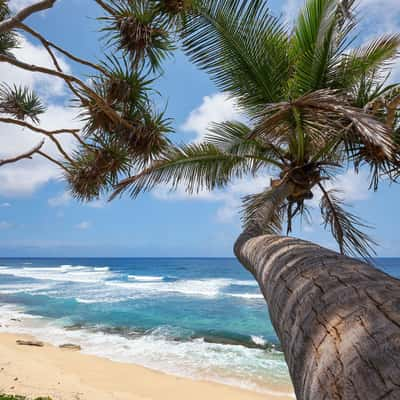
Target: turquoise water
pixel 202 318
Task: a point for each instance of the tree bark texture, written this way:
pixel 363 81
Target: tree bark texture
pixel 338 319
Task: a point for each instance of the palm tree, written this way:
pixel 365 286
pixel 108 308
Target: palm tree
pixel 314 104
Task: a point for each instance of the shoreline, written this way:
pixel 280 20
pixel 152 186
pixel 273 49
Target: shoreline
pixel 67 374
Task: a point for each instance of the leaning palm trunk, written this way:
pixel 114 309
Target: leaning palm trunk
pixel 338 319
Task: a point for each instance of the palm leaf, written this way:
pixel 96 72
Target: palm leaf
pixel 345 226
pixel 233 138
pixel 318 40
pixel 195 166
pixel 369 59
pixel 243 48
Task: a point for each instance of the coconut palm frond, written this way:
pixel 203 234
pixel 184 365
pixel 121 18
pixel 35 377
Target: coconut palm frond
pixel 196 166
pixel 20 102
pixel 243 48
pixel 345 226
pixel 233 138
pixel 332 110
pixel 320 35
pixel 371 60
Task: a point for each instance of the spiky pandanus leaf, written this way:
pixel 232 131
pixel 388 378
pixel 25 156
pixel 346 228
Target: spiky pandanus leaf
pixel 20 102
pixel 149 136
pixel 124 89
pixel 8 40
pixel 135 28
pixel 125 85
pixel 96 169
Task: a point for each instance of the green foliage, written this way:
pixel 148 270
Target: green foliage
pixel 243 48
pixel 95 169
pixel 8 40
pixel 20 102
pixel 139 31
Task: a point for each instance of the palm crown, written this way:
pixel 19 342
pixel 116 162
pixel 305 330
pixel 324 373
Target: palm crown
pixel 314 104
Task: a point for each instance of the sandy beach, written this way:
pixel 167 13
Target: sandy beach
pixel 66 374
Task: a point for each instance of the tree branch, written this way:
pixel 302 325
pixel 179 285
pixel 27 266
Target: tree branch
pixel 110 112
pixel 35 128
pixel 52 160
pixel 28 154
pixel 21 15
pixel 105 6
pixel 49 134
pixel 47 43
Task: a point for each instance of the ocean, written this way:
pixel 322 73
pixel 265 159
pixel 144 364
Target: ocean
pixel 201 318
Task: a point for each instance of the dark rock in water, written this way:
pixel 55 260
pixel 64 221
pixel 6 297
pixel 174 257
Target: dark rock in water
pixel 70 346
pixel 15 320
pixel 34 343
pixel 75 327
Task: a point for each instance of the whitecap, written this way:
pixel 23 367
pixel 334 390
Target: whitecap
pixel 258 340
pixel 247 295
pixel 63 273
pixel 144 278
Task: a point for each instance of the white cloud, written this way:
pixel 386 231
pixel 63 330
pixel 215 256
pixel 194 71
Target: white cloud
pixel 24 177
pixel 60 200
pixel 5 205
pixel 215 108
pixel 83 225
pixel 45 85
pixel 5 225
pixel 229 198
pixel 352 187
pixel 65 198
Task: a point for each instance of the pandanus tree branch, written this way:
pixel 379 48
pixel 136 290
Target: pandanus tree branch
pixel 12 22
pixel 105 6
pixel 22 156
pixel 112 114
pixel 48 44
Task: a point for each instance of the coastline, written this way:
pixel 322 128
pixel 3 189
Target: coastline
pixel 66 374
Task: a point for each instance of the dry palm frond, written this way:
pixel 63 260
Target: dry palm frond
pixel 264 212
pixel 345 226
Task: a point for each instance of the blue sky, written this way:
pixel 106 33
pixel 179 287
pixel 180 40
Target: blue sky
pixel 38 217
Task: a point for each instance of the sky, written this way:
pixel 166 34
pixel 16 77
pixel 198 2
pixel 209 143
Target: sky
pixel 38 217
